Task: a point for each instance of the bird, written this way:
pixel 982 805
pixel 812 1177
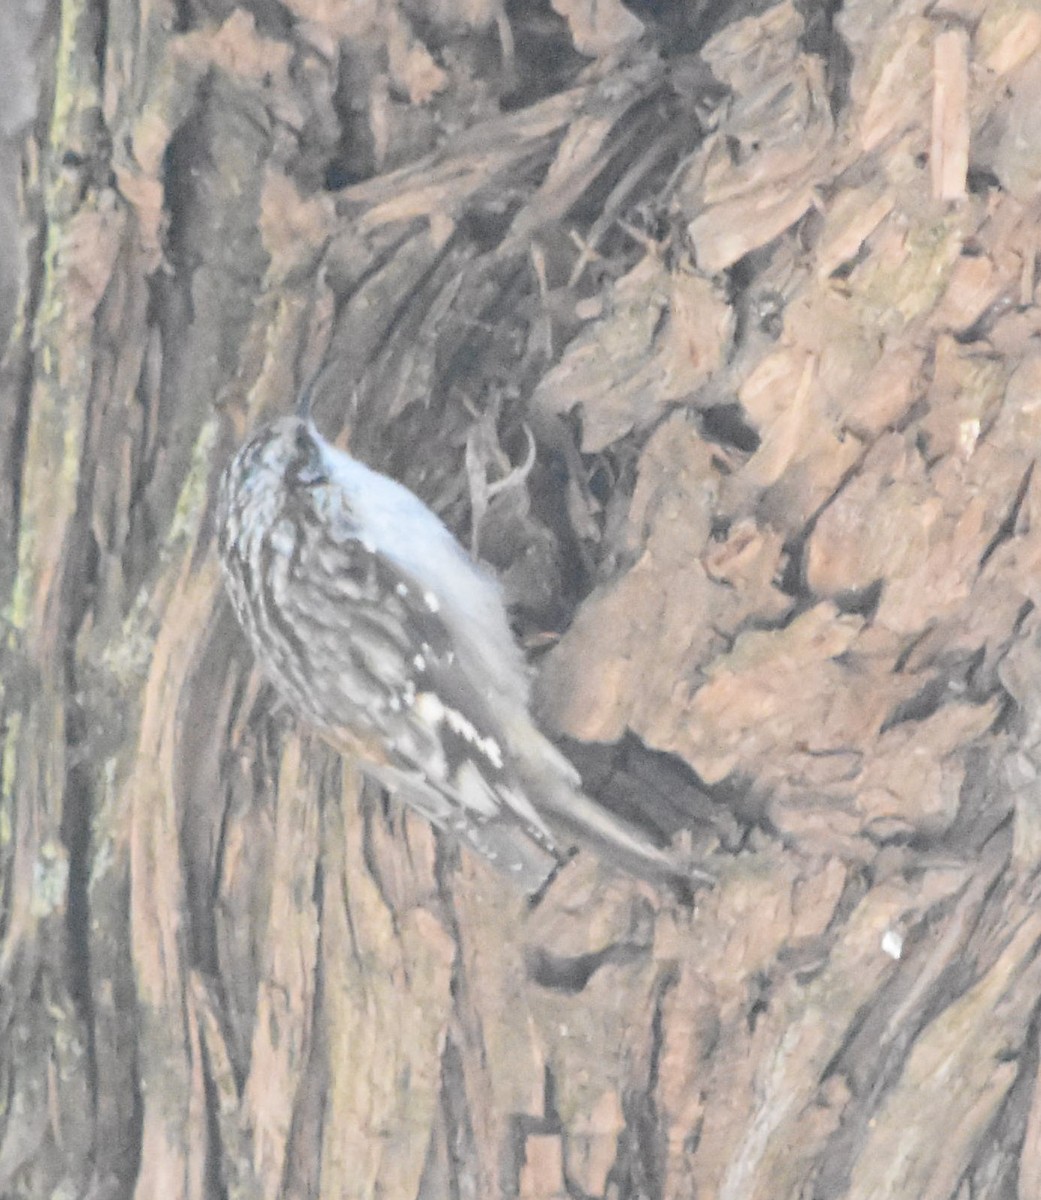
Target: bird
pixel 381 632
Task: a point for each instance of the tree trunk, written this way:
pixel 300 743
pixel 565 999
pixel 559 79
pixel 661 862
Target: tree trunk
pixel 760 288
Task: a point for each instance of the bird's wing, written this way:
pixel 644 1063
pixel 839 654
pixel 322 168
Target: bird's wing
pixel 386 674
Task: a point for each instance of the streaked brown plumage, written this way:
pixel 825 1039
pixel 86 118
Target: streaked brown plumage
pixel 382 633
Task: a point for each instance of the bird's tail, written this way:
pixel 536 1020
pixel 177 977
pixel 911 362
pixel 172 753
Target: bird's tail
pixel 548 775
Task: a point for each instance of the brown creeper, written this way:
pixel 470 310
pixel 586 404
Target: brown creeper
pixel 382 633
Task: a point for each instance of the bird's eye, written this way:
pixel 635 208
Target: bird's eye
pixel 254 456
pixel 306 463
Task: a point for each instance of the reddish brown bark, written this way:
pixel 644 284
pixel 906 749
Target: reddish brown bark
pixel 762 288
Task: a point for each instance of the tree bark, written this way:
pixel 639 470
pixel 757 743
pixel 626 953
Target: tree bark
pixel 759 286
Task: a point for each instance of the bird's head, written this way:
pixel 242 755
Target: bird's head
pixel 280 462
pixel 287 453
